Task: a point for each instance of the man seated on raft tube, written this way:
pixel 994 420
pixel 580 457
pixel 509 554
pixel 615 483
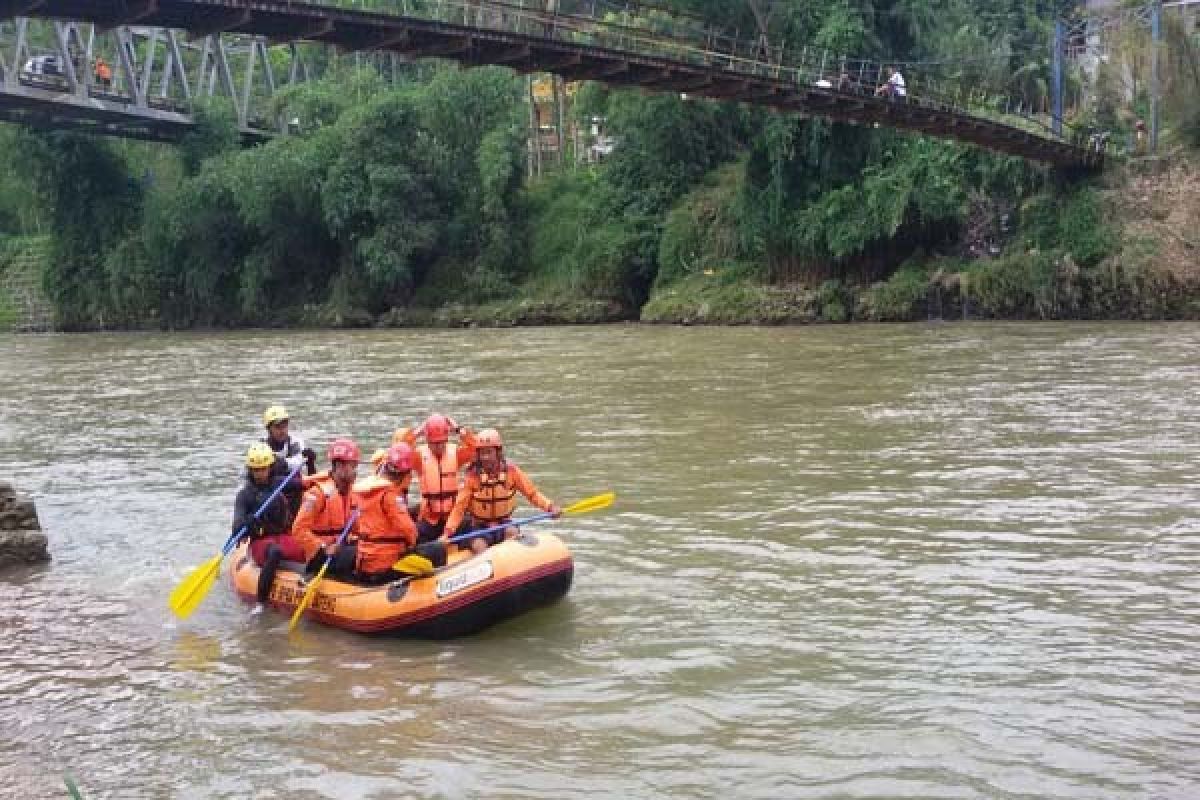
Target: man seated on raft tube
pixel 488 496
pixel 270 533
pixel 383 530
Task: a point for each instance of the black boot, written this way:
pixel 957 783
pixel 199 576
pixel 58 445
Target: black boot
pixel 269 568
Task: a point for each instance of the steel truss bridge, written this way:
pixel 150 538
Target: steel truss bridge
pixel 246 50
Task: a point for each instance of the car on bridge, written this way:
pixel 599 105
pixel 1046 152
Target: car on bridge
pixel 43 72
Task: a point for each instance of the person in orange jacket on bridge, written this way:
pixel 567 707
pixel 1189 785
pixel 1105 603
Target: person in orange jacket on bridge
pixel 327 503
pixel 103 74
pixel 437 465
pixel 489 494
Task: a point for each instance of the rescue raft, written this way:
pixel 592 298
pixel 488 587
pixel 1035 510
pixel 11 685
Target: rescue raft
pixel 467 595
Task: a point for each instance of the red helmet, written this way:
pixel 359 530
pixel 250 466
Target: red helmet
pixel 399 457
pixel 489 437
pixel 437 428
pixel 344 450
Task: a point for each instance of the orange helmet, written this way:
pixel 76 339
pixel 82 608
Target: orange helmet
pixel 344 450
pixel 489 437
pixel 399 458
pixel 437 428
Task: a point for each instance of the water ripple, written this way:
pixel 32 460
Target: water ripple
pixel 904 562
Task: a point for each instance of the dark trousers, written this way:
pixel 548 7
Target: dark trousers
pixel 342 567
pixel 428 532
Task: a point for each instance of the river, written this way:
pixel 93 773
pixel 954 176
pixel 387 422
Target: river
pixel 928 561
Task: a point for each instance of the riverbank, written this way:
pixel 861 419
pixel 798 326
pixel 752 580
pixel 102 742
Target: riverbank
pixel 1124 249
pixel 1133 255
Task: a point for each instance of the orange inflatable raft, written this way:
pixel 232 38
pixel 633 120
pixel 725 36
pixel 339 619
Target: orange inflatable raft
pixel 468 594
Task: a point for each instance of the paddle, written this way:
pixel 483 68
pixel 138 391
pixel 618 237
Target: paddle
pixel 192 590
pixel 589 504
pixel 311 591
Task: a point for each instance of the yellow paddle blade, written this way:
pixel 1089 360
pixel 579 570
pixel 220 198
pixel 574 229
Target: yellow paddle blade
pixel 415 565
pixel 192 590
pixel 306 601
pixel 592 503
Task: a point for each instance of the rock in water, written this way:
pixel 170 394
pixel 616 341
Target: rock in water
pixel 21 537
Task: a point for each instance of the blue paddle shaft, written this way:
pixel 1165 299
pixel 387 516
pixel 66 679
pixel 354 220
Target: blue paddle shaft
pixel 346 530
pixel 502 526
pixel 237 537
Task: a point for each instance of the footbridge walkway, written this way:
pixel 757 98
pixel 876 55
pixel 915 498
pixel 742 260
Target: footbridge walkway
pixel 231 49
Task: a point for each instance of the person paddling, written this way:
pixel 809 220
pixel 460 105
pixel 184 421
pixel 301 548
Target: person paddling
pixel 489 494
pixel 327 504
pixel 270 537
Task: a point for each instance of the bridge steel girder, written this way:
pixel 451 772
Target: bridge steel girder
pixel 392 40
pixel 222 21
pixel 18 8
pixel 131 11
pixel 450 46
pixel 148 94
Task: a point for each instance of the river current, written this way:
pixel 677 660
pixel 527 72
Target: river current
pixel 927 561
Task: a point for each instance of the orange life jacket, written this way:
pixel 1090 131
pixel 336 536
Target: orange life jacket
pixel 385 529
pixel 494 498
pixel 439 480
pixel 323 515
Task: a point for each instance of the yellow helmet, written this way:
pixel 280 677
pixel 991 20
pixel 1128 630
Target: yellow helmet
pixel 259 456
pixel 274 414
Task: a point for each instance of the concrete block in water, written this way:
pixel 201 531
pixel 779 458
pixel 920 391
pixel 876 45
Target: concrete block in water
pixel 21 537
pixel 23 547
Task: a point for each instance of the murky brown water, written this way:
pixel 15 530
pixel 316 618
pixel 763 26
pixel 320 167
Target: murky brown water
pixel 855 562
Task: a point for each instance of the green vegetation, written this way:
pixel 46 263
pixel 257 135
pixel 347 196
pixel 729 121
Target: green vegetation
pixel 410 203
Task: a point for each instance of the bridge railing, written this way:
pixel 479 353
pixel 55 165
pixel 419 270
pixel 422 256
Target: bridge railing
pixel 658 37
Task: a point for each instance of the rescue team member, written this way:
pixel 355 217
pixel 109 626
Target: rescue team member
pixel 327 504
pixel 103 73
pixel 291 450
pixel 270 540
pixel 437 464
pixel 489 494
pixel 384 529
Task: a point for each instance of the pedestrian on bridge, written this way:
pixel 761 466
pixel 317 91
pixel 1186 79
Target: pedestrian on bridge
pixel 103 74
pixel 894 87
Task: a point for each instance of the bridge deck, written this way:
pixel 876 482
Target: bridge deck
pixel 575 48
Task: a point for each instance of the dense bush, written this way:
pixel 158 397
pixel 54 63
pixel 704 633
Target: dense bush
pixel 1074 223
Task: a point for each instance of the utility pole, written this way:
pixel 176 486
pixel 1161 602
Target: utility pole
pixel 1057 77
pixel 1156 45
pixel 560 103
pixel 534 145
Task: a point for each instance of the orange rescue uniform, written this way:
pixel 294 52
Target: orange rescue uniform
pixel 491 499
pixel 438 478
pixel 323 514
pixel 384 528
